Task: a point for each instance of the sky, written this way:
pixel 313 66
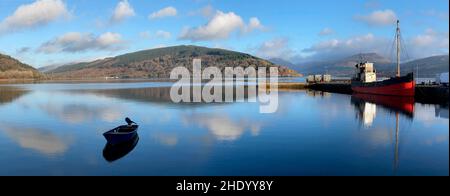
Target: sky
pixel 55 32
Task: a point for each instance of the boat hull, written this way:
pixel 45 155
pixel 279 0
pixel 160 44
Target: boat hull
pixel 399 86
pixel 403 104
pixel 121 134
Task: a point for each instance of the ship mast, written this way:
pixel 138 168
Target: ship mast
pixel 398 48
pixel 397 127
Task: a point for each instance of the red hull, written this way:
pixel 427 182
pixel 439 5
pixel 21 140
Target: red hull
pixel 401 89
pixel 399 86
pixel 403 104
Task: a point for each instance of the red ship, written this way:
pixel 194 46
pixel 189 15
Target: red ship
pixel 365 80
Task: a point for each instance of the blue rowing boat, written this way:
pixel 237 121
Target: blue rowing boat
pixel 121 134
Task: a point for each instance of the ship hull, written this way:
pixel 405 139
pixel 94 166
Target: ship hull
pixel 399 86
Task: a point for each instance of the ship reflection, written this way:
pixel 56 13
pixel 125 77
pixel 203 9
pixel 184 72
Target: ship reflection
pixel 113 153
pixel 314 93
pixel 441 111
pixel 366 111
pixel 366 107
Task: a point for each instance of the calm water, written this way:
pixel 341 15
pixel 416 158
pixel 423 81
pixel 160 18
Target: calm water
pixel 56 129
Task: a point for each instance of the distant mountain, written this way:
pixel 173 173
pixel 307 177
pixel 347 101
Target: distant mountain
pixel 11 68
pixel 282 62
pixel 428 67
pixel 340 67
pixel 48 68
pixel 370 57
pixel 158 63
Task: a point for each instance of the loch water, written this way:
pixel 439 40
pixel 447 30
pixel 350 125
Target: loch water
pixel 56 129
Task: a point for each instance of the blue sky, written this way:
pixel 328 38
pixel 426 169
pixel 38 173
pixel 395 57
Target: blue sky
pixel 47 32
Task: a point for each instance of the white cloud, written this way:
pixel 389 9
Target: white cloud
pixel 165 12
pixel 426 39
pixel 163 34
pixel 221 26
pixel 36 14
pixel 254 24
pixel 275 48
pixel 123 10
pixel 326 31
pixel 429 43
pixel 337 48
pixel 79 42
pixel 109 39
pixel 378 18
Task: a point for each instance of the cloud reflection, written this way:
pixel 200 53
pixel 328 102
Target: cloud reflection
pixel 437 140
pixel 37 139
pixel 166 139
pixel 426 114
pixel 79 113
pixel 379 136
pixel 223 127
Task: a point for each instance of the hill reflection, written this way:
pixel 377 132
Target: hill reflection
pixel 9 93
pixel 159 95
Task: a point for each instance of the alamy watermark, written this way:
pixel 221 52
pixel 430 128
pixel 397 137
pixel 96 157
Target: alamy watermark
pixel 212 91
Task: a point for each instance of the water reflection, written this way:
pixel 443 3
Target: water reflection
pixel 159 95
pixel 396 151
pixel 9 93
pixel 40 140
pixel 313 133
pixel 442 111
pixel 77 113
pixel 366 112
pixel 165 138
pixel 113 153
pixel 154 95
pixel 366 107
pixel 314 93
pixel 223 127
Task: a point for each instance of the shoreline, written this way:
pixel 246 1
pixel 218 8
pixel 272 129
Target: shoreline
pixel 98 80
pixel 424 93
